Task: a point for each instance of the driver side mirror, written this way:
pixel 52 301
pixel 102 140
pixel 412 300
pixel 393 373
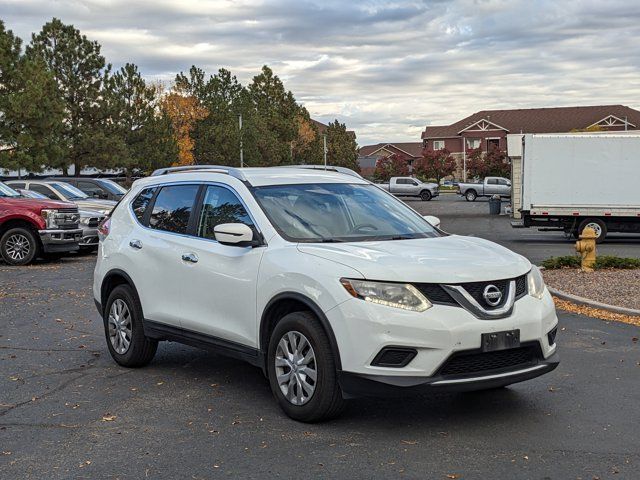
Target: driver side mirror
pixel 235 234
pixel 435 221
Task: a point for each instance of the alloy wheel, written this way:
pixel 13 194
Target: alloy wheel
pixel 596 228
pixel 17 246
pixel 296 369
pixel 120 326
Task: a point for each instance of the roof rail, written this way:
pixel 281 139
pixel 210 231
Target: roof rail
pixel 234 172
pixel 330 168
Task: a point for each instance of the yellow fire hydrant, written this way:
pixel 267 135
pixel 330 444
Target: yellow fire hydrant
pixel 586 247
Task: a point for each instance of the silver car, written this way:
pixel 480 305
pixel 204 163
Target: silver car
pixel 56 190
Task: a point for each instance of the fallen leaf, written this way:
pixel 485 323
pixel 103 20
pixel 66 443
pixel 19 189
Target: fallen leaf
pixel 107 417
pixel 453 475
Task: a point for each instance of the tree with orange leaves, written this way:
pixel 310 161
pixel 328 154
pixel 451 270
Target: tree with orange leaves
pixel 183 111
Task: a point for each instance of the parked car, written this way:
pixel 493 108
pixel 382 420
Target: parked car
pixel 487 188
pixel 32 227
pixel 57 190
pixel 89 221
pixel 411 187
pixel 103 188
pixel 328 283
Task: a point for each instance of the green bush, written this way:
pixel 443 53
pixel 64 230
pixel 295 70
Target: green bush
pixel 602 262
pixel 611 261
pixel 567 261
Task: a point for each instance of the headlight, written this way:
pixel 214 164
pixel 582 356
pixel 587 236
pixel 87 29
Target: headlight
pixel 398 295
pixel 85 220
pixel 535 282
pixel 50 218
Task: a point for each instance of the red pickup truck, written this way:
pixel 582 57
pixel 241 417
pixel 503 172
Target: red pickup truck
pixel 31 227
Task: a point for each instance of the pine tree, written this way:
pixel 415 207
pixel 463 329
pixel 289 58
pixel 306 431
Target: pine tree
pixel 79 70
pixel 342 149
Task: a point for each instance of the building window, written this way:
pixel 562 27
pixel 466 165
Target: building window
pixel 438 144
pixel 473 143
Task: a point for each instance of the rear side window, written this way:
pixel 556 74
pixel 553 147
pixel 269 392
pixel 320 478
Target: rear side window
pixel 492 181
pixel 46 191
pixel 220 205
pixel 172 208
pixel 141 202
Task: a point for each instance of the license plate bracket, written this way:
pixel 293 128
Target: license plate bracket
pixel 495 341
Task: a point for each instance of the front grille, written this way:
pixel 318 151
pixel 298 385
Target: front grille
pixel 67 210
pixel 463 363
pixel 436 294
pixel 394 357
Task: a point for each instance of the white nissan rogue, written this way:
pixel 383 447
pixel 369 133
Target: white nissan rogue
pixel 328 283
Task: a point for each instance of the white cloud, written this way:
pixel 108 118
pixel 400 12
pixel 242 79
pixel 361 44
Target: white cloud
pixel 385 68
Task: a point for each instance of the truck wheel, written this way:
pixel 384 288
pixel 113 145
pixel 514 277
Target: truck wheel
pixel 19 246
pixel 598 226
pixel 302 370
pixel 471 195
pixel 425 195
pixel 124 331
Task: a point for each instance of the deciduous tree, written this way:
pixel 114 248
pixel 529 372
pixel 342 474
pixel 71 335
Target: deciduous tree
pixel 435 164
pixel 392 166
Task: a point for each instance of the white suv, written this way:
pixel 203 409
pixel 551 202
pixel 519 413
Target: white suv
pixel 328 283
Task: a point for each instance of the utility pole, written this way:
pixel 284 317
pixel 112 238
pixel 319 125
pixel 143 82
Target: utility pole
pixel 324 149
pixel 625 123
pixel 241 152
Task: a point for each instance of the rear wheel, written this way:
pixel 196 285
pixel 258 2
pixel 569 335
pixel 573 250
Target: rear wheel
pixel 302 369
pixel 425 195
pixel 19 246
pixel 597 225
pixel 471 195
pixel 124 331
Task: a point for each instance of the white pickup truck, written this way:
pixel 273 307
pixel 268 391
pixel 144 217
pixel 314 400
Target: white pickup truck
pixel 490 186
pixel 411 187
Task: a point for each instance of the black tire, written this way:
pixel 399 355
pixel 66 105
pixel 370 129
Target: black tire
pixel 470 195
pixel 425 195
pixel 326 402
pixel 19 246
pixel 141 349
pixel 599 223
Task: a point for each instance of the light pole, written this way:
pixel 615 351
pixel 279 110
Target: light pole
pixel 240 129
pixel 324 149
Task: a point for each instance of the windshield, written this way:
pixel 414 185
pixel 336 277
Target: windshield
pixel 69 191
pixel 113 187
pixel 6 191
pixel 338 212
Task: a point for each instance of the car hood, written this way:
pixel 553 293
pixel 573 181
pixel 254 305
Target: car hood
pixel 450 259
pixel 90 204
pixel 35 204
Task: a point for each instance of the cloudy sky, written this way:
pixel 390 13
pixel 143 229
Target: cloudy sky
pixel 386 68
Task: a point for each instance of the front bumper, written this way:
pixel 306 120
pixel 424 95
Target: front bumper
pixel 362 330
pixel 89 237
pixel 60 240
pixel 355 385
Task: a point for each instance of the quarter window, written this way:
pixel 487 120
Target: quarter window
pixel 141 202
pixel 46 191
pixel 172 208
pixel 220 205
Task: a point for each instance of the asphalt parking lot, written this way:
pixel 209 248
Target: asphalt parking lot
pixel 472 218
pixel 68 411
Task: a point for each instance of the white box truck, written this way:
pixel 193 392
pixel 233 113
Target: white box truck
pixel 566 182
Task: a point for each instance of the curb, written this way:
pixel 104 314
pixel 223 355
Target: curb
pixel 592 303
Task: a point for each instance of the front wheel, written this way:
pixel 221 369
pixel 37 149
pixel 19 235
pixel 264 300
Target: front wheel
pixel 302 369
pixel 19 246
pixel 471 196
pixel 597 225
pixel 425 195
pixel 124 331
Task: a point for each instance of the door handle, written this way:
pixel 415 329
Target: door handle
pixel 137 244
pixel 190 257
